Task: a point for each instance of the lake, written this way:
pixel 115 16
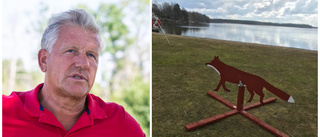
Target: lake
pixel 303 38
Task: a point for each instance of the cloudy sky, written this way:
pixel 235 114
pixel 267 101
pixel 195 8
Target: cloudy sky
pixel 280 11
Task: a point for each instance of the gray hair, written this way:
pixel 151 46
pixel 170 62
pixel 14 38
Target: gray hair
pixel 77 16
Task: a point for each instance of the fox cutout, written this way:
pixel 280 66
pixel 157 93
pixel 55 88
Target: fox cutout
pixel 254 84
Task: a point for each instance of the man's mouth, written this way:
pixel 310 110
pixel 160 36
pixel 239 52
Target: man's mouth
pixel 79 76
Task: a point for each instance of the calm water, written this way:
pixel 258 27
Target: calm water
pixel 303 38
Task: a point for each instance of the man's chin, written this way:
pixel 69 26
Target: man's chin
pixel 77 91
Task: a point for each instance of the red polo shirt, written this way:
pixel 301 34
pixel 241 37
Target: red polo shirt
pixel 24 116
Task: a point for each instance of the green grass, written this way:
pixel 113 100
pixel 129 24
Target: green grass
pixel 180 81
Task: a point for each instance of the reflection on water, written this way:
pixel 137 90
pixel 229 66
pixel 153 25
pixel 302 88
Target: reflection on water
pixel 303 38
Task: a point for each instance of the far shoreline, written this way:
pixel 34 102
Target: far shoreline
pixel 248 22
pixel 244 22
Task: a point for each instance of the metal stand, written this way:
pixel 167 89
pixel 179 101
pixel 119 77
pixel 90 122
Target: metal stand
pixel 235 110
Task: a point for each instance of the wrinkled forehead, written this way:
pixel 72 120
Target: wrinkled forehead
pixel 76 34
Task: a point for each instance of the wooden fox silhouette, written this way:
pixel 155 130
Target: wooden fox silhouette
pixel 254 84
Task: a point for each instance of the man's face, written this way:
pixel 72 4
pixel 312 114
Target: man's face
pixel 72 64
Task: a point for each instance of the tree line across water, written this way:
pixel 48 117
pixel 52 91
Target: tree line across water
pixel 260 23
pixel 172 13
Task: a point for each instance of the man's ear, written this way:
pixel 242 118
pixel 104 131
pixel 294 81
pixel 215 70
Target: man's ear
pixel 43 59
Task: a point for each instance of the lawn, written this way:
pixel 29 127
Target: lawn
pixel 180 82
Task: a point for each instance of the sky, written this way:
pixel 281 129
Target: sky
pixel 278 11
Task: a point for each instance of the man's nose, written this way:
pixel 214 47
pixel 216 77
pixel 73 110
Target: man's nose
pixel 82 61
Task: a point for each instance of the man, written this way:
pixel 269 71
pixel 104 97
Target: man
pixel 62 105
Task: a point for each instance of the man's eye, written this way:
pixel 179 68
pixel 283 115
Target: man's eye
pixel 91 55
pixel 70 50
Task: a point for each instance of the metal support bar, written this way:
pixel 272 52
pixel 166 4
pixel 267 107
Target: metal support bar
pixel 240 96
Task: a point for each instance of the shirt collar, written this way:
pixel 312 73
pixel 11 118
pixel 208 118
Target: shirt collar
pixel 32 105
pixel 94 109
